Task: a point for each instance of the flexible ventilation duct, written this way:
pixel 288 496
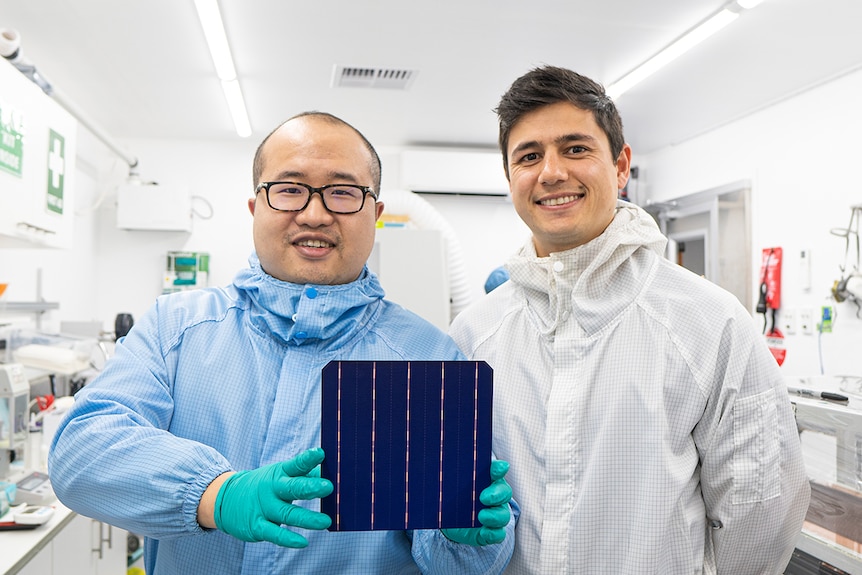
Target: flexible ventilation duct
pixel 425 216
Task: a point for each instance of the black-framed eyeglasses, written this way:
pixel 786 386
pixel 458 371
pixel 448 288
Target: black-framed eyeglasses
pixel 295 196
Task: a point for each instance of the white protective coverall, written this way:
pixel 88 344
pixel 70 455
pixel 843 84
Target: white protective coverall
pixel 647 423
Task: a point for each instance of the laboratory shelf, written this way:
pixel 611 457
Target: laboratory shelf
pixel 29 306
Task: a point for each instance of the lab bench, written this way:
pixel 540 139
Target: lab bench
pixel 831 436
pixel 68 544
pixel 19 548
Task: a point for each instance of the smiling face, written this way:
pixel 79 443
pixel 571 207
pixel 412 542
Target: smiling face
pixel 563 177
pixel 314 245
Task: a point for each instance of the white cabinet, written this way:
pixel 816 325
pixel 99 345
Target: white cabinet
pixel 84 547
pixel 37 165
pixel 90 547
pixel 412 268
pixel 41 564
pixel 68 544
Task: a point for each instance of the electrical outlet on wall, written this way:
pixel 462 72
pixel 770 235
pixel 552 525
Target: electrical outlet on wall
pixel 788 321
pixel 806 321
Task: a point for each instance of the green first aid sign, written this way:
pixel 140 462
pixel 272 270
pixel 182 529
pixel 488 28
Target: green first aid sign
pixel 56 172
pixel 11 142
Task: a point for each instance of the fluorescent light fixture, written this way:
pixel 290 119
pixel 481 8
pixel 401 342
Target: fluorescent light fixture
pixel 676 49
pixel 211 21
pixel 236 105
pixel 210 18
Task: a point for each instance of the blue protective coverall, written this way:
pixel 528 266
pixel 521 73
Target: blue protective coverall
pixel 223 379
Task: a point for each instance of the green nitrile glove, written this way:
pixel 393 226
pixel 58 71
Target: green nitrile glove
pixel 494 517
pixel 252 505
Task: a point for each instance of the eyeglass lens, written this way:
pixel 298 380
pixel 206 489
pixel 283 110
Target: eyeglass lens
pixel 340 199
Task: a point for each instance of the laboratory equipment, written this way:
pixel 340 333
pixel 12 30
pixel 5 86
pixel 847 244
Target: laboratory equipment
pixel 33 515
pixel 7 496
pixel 60 354
pixel 15 526
pixel 185 271
pixel 849 286
pixel 27 517
pixel 14 418
pixel 32 487
pixel 122 324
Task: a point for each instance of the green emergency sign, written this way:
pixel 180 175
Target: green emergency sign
pixel 56 172
pixel 11 141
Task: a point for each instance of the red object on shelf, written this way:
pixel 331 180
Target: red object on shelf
pixel 44 401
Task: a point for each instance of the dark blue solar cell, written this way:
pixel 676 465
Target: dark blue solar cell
pixel 408 443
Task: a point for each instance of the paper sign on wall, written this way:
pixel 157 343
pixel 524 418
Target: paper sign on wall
pixel 11 140
pixel 56 172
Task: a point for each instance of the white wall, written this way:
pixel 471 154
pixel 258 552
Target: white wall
pixel 218 175
pixel 801 157
pixel 68 276
pixel 132 262
pixel 109 270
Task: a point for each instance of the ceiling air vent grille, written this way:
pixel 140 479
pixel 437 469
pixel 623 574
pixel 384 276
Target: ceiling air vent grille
pixel 386 78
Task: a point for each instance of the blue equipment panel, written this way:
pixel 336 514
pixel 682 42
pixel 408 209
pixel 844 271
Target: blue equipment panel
pixel 408 443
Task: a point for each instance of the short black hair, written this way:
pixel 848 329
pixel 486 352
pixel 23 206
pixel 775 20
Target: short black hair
pixel 375 167
pixel 548 85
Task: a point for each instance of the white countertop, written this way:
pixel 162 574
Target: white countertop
pixel 17 548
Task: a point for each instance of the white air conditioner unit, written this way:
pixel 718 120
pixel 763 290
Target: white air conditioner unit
pixel 470 172
pixel 154 207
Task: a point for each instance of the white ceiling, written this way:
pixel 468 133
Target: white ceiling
pixel 140 68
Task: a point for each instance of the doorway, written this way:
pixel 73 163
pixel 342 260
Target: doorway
pixel 709 233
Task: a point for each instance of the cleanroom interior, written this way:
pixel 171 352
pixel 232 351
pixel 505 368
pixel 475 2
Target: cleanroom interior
pixel 742 145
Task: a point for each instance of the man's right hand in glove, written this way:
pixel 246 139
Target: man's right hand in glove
pixel 253 505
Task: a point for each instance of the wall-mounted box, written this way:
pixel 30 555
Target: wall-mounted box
pixel 443 171
pixel 154 207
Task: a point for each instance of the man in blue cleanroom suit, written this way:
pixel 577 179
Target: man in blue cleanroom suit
pixel 201 432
